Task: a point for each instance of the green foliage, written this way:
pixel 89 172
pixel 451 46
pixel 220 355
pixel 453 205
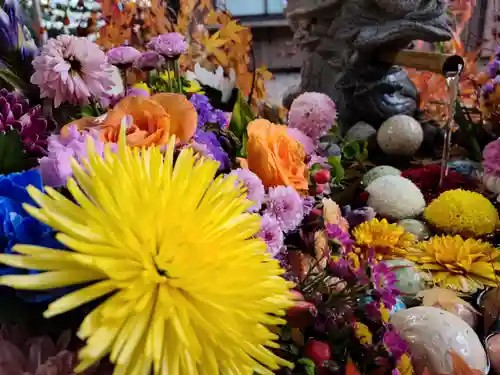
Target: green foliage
pixel 241 117
pixel 308 365
pixel 12 156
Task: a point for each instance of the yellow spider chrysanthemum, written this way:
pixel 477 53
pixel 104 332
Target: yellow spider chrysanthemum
pixel 464 265
pixel 189 289
pixel 386 240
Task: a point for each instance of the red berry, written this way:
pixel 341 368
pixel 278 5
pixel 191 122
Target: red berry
pixel 301 315
pixel 320 188
pixel 66 21
pixel 318 351
pixel 317 212
pixel 322 176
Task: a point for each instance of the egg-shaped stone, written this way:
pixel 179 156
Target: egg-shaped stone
pixel 491 182
pixel 380 171
pixel 408 277
pixel 432 334
pixel 400 135
pixel 361 131
pixel 416 227
pixel 395 197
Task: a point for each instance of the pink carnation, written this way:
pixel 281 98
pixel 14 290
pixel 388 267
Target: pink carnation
pixel 312 113
pixel 491 156
pixel 71 69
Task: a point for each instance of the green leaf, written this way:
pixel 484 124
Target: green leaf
pixel 12 156
pixel 87 111
pixel 338 169
pixel 241 117
pixel 309 366
pixel 351 150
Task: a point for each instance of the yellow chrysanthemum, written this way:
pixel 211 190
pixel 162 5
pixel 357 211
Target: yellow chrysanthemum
pixel 363 333
pixel 464 265
pixel 386 240
pixel 189 289
pixel 462 212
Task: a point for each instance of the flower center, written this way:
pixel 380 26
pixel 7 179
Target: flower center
pixel 75 65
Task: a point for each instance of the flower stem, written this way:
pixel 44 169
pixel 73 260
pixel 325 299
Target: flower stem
pixel 177 73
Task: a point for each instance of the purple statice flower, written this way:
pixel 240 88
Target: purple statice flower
pixel 272 234
pixel 214 148
pixel 149 60
pixel 395 344
pixel 170 45
pixel 254 187
pixel 123 57
pixel 207 114
pixel 493 68
pixel 358 215
pixel 55 168
pixel 341 237
pixel 308 203
pixel 384 283
pixel 286 206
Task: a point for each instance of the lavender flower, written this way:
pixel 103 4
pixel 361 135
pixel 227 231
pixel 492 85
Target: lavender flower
pixel 307 142
pixel 272 234
pixel 342 238
pixel 149 60
pixel 170 45
pixel 309 203
pixel 123 57
pixel 216 152
pixel 55 168
pixel 253 184
pixel 395 344
pixel 206 113
pixel 384 283
pixel 285 205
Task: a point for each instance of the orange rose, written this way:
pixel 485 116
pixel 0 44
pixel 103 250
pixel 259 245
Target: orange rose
pixel 276 157
pixel 149 121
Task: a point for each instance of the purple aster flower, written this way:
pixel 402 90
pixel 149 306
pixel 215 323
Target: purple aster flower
pixel 358 215
pixel 336 234
pixel 149 60
pixel 123 56
pixel 286 206
pixel 214 147
pixel 272 234
pixel 170 45
pixel 207 114
pixel 254 186
pixel 384 283
pixel 55 168
pixel 395 344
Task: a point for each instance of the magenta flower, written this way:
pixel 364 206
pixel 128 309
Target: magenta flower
pixel 395 344
pixel 149 60
pixel 384 284
pixel 253 184
pixel 170 45
pixel 312 113
pixel 272 234
pixel 123 57
pixel 285 205
pixel 336 234
pixel 71 69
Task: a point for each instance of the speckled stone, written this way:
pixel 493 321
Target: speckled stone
pixel 361 131
pixel 431 333
pixel 380 171
pixel 416 227
pixel 400 135
pixel 409 281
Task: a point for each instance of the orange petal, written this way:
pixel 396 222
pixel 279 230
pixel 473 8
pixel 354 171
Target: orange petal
pixel 183 115
pixel 81 124
pixel 144 111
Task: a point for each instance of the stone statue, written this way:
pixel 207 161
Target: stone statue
pixel 342 39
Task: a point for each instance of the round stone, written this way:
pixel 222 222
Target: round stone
pixel 361 131
pixel 400 135
pixel 380 171
pixel 416 227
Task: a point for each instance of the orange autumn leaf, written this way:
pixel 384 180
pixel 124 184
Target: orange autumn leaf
pixel 460 365
pixel 351 369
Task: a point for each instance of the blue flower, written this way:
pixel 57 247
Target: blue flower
pixel 214 148
pixel 17 226
pixel 207 114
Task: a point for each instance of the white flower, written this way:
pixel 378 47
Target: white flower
pixel 215 80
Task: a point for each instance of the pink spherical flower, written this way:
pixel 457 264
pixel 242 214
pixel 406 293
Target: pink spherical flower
pixel 307 142
pixel 312 113
pixel 170 45
pixel 491 156
pixel 71 69
pixel 123 56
